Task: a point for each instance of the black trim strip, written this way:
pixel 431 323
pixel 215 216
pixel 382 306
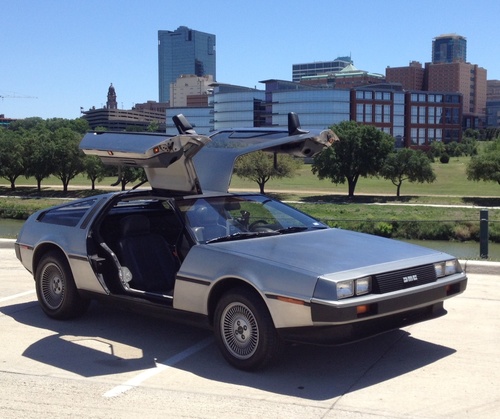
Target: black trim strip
pixel 193 280
pixel 78 257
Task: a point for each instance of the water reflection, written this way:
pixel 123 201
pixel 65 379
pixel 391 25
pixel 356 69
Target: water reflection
pixel 462 250
pixel 9 228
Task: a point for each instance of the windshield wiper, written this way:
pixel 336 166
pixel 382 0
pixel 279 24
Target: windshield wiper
pixel 292 229
pixel 242 235
pixel 295 229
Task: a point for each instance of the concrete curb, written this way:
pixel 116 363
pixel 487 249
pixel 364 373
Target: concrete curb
pixel 7 243
pixel 469 266
pixel 480 267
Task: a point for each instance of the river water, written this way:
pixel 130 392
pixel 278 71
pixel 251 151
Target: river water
pixel 463 250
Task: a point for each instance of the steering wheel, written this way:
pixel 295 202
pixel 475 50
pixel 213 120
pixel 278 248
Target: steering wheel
pixel 256 224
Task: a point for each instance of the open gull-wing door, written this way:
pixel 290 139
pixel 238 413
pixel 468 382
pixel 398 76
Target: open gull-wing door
pixel 214 164
pixel 167 160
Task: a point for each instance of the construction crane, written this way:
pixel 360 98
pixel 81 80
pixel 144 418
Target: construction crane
pixel 16 96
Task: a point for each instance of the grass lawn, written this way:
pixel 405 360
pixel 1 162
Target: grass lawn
pixel 451 180
pixel 305 191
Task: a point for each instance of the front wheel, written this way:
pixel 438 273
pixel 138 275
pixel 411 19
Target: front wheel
pixel 244 330
pixel 56 290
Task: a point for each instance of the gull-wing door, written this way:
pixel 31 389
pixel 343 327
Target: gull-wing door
pixel 167 160
pixel 215 162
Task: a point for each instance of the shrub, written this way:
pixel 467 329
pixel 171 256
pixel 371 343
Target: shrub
pixel 461 233
pixel 445 158
pixel 494 232
pixel 383 229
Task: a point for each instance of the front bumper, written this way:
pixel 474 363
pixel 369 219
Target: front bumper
pixel 351 332
pixel 378 305
pixel 358 318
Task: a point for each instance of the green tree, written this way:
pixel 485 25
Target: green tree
pixel 27 124
pixel 407 164
pixel 68 158
pixel 95 169
pixel 360 151
pixel 260 166
pixel 486 166
pixel 438 148
pixel 12 156
pixel 154 126
pixel 469 146
pixel 39 156
pixel 131 174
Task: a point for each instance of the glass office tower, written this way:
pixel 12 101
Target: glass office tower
pixel 449 49
pixel 183 51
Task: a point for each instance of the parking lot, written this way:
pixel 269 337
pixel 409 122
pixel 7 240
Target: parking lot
pixel 112 363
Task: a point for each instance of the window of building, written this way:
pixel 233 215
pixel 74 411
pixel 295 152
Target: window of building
pixel 413 136
pixel 387 113
pixel 399 109
pixel 378 113
pixel 399 98
pixel 421 114
pixel 431 115
pixel 414 114
pixel 399 121
pixel 368 113
pixel 359 113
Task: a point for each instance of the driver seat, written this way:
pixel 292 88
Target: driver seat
pixel 147 255
pixel 206 223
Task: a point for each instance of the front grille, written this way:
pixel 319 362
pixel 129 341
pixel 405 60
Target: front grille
pixel 405 278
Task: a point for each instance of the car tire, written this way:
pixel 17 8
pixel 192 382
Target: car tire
pixel 56 290
pixel 244 330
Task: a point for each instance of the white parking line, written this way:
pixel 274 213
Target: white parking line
pixel 160 366
pixel 13 297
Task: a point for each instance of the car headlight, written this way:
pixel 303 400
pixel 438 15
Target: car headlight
pixel 353 287
pixel 363 285
pixel 448 267
pixel 345 289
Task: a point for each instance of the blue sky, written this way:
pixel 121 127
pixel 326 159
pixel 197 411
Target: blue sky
pixel 60 55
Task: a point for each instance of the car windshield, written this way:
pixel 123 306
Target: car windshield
pixel 239 217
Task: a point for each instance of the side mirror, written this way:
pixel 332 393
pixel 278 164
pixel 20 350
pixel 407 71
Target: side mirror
pixel 183 125
pixel 294 125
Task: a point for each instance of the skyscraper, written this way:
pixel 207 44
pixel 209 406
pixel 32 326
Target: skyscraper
pixel 183 51
pixel 449 49
pixel 320 67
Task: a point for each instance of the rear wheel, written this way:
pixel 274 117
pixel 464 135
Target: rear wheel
pixel 244 330
pixel 56 289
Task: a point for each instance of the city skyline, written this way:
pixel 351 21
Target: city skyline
pixel 66 55
pixel 184 51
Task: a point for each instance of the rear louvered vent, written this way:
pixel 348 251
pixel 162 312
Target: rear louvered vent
pixel 406 278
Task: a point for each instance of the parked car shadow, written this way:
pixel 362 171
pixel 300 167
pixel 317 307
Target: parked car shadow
pixel 109 341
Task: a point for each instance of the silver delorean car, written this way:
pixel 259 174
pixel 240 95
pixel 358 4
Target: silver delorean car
pixel 256 271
